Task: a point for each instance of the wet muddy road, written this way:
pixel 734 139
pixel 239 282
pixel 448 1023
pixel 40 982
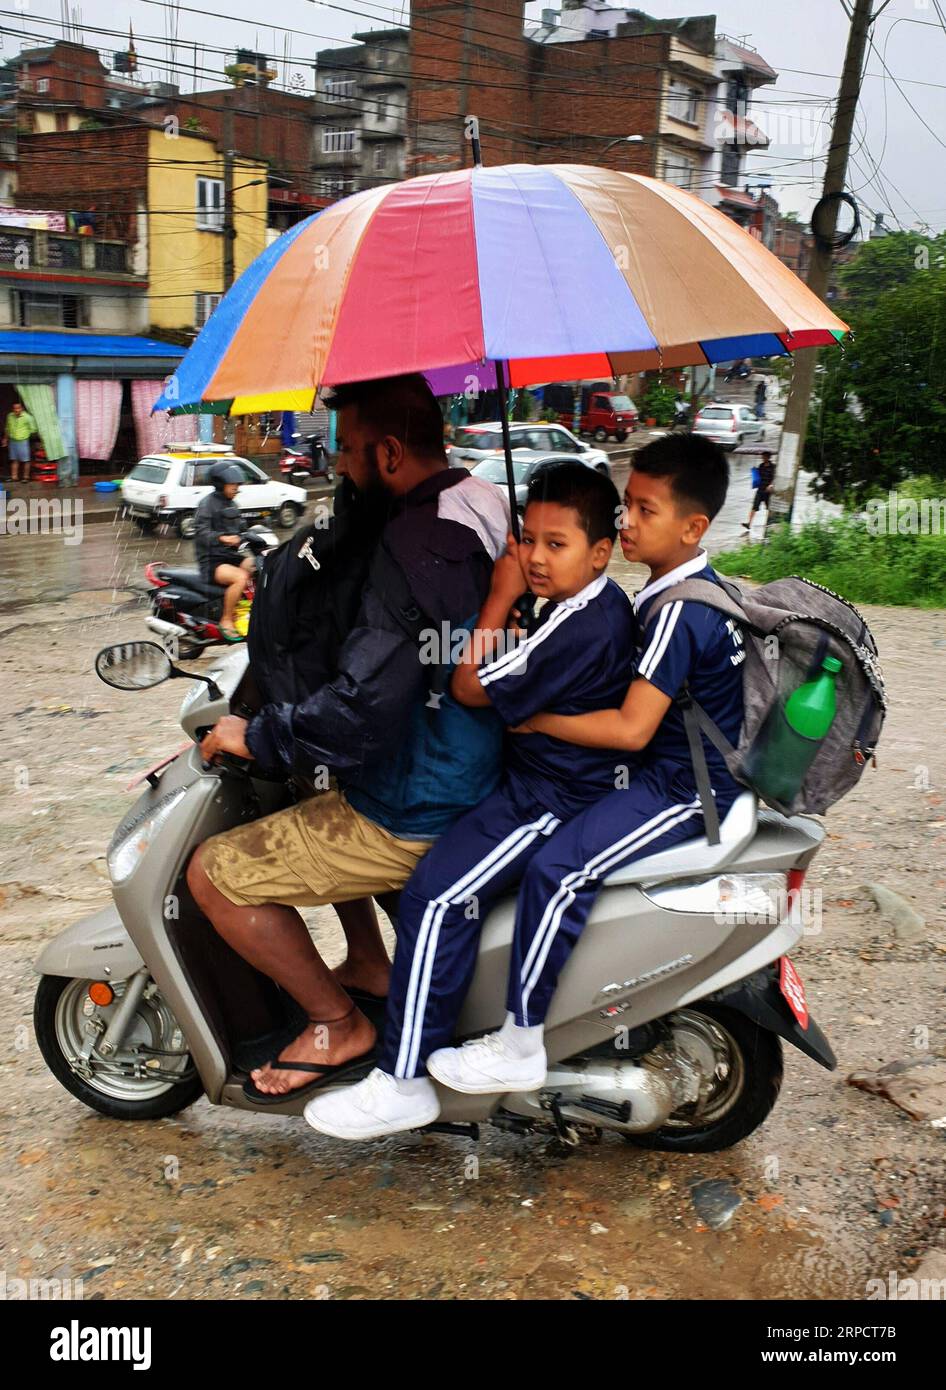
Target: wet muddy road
pixel 838 1187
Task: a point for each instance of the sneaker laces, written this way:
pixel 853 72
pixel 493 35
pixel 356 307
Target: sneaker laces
pixel 492 1042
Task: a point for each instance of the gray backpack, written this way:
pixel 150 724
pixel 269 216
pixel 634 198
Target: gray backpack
pixel 788 628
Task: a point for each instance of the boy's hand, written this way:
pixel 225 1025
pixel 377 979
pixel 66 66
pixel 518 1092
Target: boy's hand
pixel 507 582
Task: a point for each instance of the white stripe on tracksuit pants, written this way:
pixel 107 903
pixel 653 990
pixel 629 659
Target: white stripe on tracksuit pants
pixel 506 839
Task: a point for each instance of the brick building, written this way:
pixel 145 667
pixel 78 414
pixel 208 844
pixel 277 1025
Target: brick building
pixel 793 244
pixel 576 85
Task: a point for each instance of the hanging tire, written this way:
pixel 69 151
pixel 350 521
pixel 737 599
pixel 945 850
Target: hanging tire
pixel 743 1098
pixel 186 526
pixel 60 1012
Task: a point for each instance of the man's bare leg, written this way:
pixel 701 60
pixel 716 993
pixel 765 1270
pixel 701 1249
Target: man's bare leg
pixel 274 939
pixel 366 964
pixel 235 578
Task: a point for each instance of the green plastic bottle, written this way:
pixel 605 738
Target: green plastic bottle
pixel 792 734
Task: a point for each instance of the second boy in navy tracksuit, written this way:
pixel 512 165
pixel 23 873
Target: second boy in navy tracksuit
pixel 677 486
pixel 579 659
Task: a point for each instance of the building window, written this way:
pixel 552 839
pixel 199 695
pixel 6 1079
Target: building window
pixel 109 255
pixel 679 171
pixel 335 188
pixel 210 205
pixel 63 253
pixel 381 111
pixel 336 140
pixel 338 88
pixel 731 163
pixel 380 158
pixel 204 305
pixel 50 310
pixel 683 102
pixel 42 84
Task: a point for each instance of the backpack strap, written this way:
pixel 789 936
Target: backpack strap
pixel 390 582
pixel 725 598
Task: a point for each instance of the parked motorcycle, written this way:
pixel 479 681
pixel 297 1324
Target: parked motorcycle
pixel 298 465
pixel 186 609
pixel 666 1027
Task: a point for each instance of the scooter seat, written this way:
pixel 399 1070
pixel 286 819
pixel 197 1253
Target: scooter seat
pixel 697 858
pixel 189 579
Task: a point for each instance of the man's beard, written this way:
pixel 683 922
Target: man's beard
pixel 369 500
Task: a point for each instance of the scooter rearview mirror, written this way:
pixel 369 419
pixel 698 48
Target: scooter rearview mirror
pixel 141 665
pixel 133 665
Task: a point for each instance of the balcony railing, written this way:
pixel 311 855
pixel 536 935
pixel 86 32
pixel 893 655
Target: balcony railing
pixel 27 249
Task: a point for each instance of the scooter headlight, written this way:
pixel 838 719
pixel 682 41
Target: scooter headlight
pixel 132 838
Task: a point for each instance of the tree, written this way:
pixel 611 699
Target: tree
pixel 879 414
pixel 885 264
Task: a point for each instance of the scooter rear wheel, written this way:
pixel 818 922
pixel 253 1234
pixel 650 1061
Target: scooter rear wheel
pixel 60 1012
pixel 743 1098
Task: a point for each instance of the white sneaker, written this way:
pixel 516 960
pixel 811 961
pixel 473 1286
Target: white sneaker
pixel 373 1108
pixel 484 1065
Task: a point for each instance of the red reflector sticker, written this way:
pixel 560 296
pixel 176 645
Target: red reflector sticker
pixel 789 982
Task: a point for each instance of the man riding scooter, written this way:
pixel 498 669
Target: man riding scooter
pixel 408 759
pixel 218 525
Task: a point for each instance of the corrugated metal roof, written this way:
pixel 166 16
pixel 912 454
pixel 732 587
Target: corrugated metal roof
pixel 26 340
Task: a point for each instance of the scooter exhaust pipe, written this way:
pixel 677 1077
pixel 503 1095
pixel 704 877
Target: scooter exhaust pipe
pixel 163 628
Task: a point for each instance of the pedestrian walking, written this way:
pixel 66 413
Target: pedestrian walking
pixel 760 394
pixel 763 478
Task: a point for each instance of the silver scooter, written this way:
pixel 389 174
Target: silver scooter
pixel 665 1027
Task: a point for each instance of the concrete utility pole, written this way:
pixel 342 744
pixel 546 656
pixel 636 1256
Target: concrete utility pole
pixel 229 231
pixel 795 426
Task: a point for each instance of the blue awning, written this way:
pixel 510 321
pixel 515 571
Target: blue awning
pixel 29 341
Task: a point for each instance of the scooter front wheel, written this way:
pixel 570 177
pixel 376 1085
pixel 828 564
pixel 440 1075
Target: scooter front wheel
pixel 745 1062
pixel 150 1076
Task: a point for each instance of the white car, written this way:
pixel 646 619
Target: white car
pixel 525 464
pixel 474 443
pixel 166 488
pixel 728 424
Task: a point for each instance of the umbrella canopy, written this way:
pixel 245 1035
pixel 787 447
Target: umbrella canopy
pixel 563 271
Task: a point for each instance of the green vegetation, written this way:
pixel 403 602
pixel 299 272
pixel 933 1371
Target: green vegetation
pixel 852 555
pixel 657 402
pixel 879 412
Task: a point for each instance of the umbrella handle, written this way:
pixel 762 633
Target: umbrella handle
pixel 507 449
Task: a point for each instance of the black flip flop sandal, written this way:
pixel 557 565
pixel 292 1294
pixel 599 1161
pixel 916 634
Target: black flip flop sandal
pixel 253 1052
pixel 325 1073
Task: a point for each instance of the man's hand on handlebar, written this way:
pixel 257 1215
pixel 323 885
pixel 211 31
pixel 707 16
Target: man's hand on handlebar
pixel 227 736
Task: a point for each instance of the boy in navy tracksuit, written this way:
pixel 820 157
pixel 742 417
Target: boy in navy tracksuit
pixel 578 659
pixel 677 486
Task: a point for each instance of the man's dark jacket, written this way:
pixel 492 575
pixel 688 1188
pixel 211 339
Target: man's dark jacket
pixel 216 516
pixel 409 760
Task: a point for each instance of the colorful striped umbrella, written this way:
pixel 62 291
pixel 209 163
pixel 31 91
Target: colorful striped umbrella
pixel 562 271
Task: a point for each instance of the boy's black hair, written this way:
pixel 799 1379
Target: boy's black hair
pixel 695 468
pixel 592 495
pixel 403 406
